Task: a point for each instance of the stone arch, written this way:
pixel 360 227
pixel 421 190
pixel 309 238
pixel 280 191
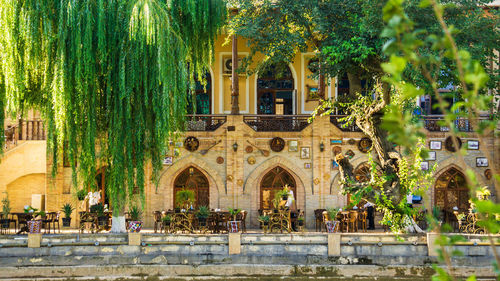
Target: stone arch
pixel 165 184
pixel 21 189
pixel 252 185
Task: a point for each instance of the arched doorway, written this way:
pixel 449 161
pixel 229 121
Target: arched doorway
pixel 275 91
pixel 202 97
pixel 194 180
pixel 451 191
pixel 272 182
pixel 100 180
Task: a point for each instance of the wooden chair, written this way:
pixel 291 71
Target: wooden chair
pixel 352 221
pixel 55 220
pixel 362 220
pixel 242 216
pixel 127 219
pixel 46 221
pixel 157 221
pixel 318 215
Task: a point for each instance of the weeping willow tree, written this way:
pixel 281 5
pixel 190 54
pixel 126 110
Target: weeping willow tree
pixel 109 76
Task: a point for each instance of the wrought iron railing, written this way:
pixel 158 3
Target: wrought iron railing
pixel 435 123
pixel 277 123
pixel 204 123
pixel 342 124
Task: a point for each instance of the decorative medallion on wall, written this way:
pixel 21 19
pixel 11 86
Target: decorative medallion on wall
pixel 220 160
pixel 488 174
pixel 365 144
pixel 351 141
pixel 449 145
pixel 350 154
pixel 251 160
pixel 316 181
pixel 337 150
pixel 191 143
pixel 239 182
pixel 229 178
pixel 277 144
pixel 249 149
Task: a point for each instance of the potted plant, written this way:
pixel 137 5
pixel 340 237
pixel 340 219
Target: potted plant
pixel 300 221
pixel 34 225
pixel 98 209
pixel 135 225
pixel 5 212
pixel 284 193
pixel 80 194
pixel 67 210
pixel 167 219
pixel 233 225
pixel 332 213
pixel 184 198
pixel 264 220
pixel 202 215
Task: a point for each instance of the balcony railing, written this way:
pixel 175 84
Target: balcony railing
pixel 277 123
pixel 434 123
pixel 24 130
pixel 335 120
pixel 204 123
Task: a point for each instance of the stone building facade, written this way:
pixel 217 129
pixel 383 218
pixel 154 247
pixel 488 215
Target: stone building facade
pixel 238 160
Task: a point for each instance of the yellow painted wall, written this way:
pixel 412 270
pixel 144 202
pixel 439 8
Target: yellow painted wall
pixel 21 189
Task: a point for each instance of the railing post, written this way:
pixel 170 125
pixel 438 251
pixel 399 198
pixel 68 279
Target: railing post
pixel 20 128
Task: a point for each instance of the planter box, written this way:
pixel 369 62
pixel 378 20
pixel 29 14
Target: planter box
pixel 233 226
pixel 34 226
pixel 66 222
pixel 135 226
pixel 331 226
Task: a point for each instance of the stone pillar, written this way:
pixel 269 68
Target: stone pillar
pixel 34 240
pixel 134 239
pixel 334 244
pixel 234 243
pixel 431 244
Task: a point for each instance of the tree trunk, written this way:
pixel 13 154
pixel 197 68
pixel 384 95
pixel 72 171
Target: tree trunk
pixel 118 224
pixel 354 85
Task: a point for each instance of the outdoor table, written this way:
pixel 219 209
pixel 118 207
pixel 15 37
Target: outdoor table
pixel 22 219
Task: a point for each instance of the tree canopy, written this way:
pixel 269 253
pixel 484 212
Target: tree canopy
pixel 109 76
pixel 347 34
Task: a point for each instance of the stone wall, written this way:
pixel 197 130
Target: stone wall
pixel 298 254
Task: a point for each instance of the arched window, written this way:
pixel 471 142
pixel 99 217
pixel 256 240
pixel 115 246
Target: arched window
pixel 275 88
pixel 272 182
pixel 193 179
pixel 203 97
pixel 362 174
pixel 451 191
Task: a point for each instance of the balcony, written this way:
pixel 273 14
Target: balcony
pixel 204 123
pixel 24 130
pixel 434 123
pixel 335 120
pixel 277 123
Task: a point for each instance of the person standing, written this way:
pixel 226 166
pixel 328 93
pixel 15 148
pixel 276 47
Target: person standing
pixel 371 215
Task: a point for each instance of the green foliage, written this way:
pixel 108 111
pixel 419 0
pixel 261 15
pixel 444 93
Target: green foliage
pixel 264 219
pixel 450 61
pixel 234 212
pixel 166 219
pixel 6 205
pixel 98 209
pixel 135 212
pixel 184 198
pixel 67 210
pixel 106 75
pixel 80 194
pixel 203 212
pixel 332 213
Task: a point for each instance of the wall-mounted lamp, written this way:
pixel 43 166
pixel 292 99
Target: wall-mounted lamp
pixel 321 147
pixel 235 146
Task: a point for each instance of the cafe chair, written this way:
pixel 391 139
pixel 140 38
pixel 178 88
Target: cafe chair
pixel 157 221
pixel 352 221
pixel 362 220
pixel 318 215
